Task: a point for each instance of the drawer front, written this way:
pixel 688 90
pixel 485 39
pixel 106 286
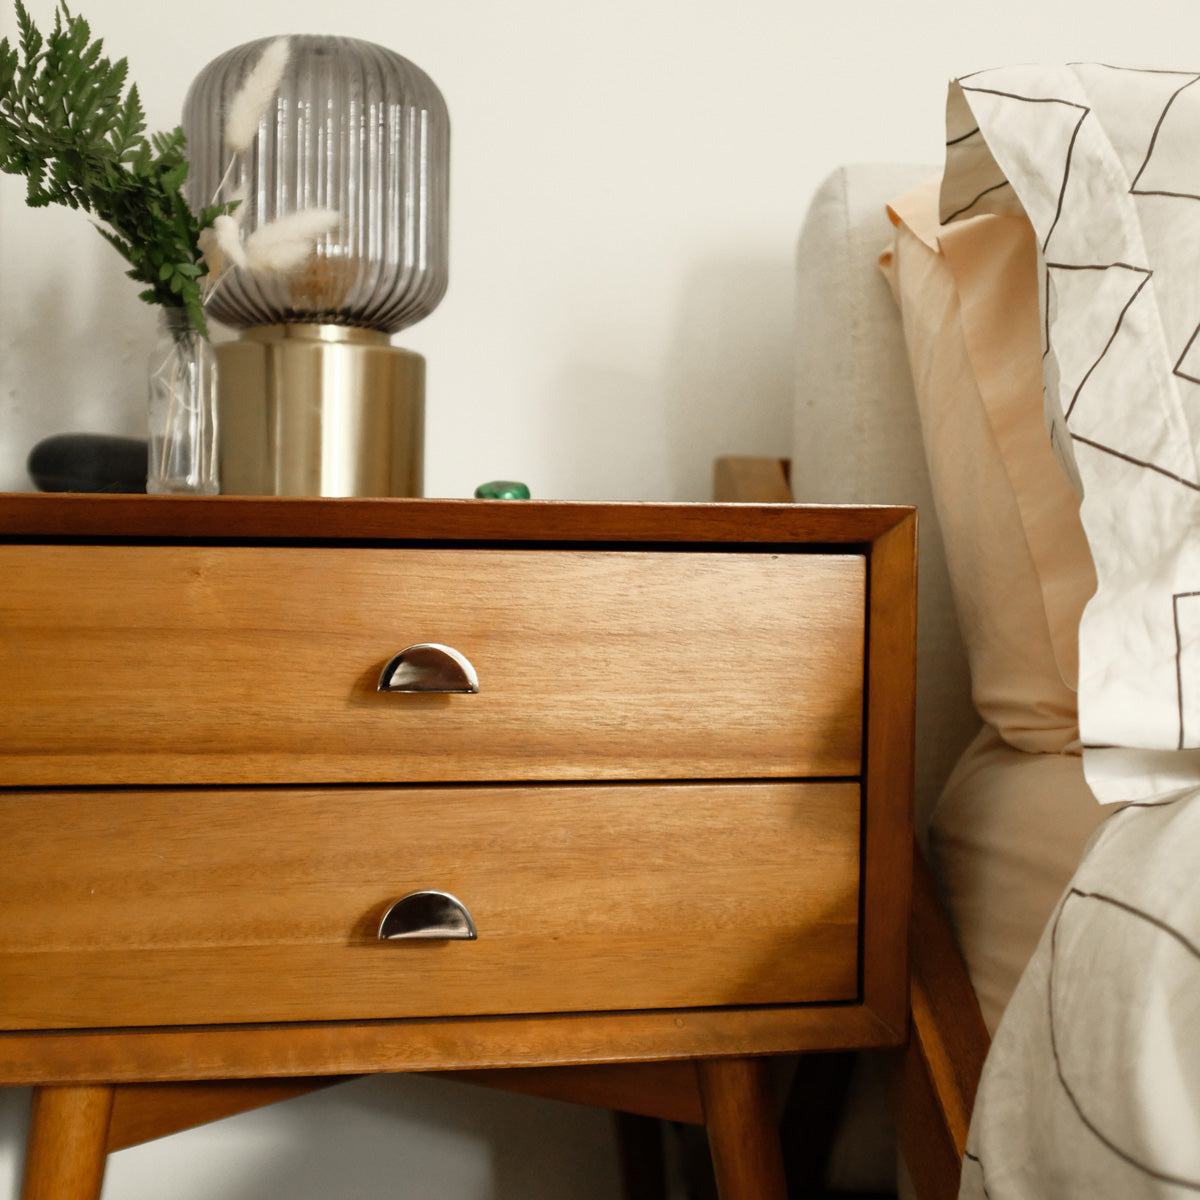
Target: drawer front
pixel 161 908
pixel 185 664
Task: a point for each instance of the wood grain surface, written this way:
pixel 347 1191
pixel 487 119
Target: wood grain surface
pixel 433 1044
pixel 215 664
pixel 443 521
pixel 187 907
pixel 678 808
pixel 890 742
pixel 65 1151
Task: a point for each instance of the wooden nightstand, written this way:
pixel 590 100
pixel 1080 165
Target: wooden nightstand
pixel 677 810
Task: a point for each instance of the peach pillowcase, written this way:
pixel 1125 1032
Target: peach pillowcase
pixel 1019 563
pixel 1016 814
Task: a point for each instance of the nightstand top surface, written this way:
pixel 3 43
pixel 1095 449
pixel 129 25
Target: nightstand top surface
pixel 74 515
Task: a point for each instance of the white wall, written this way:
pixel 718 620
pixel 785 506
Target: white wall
pixel 628 179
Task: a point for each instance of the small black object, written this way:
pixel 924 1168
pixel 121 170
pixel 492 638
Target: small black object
pixel 88 462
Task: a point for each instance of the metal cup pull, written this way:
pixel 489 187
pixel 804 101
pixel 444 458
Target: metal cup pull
pixel 429 915
pixel 429 667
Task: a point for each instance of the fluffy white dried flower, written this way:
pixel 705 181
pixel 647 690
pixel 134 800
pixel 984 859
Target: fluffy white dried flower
pixel 227 235
pixel 286 243
pixel 221 245
pixel 211 252
pixel 259 88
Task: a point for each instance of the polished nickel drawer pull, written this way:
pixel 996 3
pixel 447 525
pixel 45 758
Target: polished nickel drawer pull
pixel 429 667
pixel 430 915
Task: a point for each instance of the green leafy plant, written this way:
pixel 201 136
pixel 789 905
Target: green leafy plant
pixel 72 129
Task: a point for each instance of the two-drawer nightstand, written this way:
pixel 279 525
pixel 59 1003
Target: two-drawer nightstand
pixel 676 814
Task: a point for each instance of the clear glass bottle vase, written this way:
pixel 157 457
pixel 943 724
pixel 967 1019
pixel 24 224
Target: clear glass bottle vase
pixel 183 409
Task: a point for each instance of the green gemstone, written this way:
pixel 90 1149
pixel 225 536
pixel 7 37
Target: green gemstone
pixel 502 489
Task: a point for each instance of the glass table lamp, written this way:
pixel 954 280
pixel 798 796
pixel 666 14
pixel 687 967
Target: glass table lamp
pixel 313 398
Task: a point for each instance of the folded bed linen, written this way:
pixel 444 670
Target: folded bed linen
pixel 1092 1086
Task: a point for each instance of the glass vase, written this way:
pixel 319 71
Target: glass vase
pixel 183 409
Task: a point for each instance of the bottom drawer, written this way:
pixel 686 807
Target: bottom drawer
pixel 153 908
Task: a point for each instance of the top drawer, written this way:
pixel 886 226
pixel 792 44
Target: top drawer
pixel 241 664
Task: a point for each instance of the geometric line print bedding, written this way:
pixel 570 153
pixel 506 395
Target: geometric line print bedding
pixel 1110 289
pixel 1187 664
pixel 1170 167
pixel 1188 366
pixel 1063 118
pixel 1091 1089
pixel 1111 1113
pixel 1102 160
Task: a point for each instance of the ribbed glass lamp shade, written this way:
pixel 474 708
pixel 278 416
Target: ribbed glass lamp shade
pixel 353 127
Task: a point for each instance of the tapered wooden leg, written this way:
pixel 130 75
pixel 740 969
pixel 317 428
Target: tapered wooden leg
pixel 742 1134
pixel 67 1147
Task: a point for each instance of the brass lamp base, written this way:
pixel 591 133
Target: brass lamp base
pixel 319 410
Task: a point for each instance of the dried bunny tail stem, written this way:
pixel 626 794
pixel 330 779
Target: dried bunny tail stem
pixel 255 94
pixel 221 245
pixel 286 243
pixel 238 197
pixel 216 197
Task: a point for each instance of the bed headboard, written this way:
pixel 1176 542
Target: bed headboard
pixel 854 393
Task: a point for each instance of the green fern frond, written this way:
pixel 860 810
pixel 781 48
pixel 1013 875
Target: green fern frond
pixel 70 127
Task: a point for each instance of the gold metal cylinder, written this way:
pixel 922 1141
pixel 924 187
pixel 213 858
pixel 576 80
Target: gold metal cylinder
pixel 319 410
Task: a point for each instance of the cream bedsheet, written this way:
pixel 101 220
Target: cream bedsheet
pixel 1005 839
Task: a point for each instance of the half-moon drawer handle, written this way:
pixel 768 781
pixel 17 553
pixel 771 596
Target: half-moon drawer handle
pixel 429 667
pixel 432 915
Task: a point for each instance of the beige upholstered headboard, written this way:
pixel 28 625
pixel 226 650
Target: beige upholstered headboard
pixel 857 434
